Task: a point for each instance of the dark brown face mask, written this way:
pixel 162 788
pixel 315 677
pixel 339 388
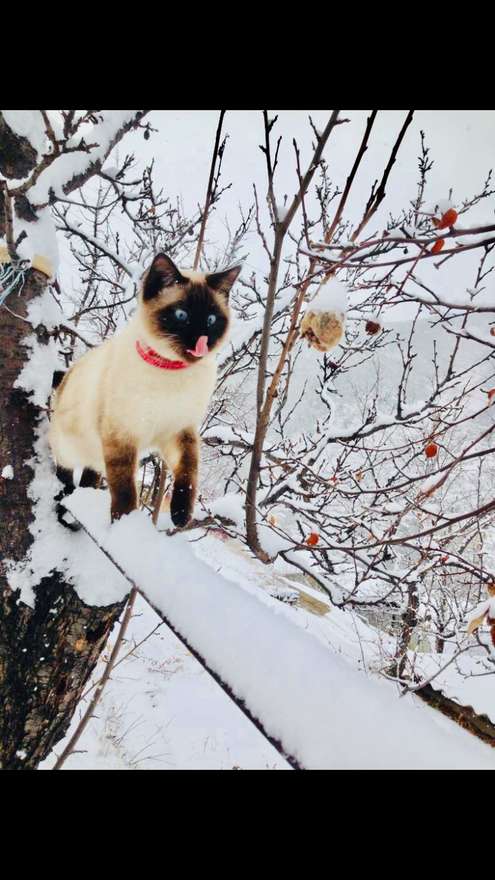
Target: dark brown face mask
pixel 197 319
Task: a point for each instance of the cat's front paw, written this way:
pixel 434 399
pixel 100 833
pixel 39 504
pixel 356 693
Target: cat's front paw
pixel 62 514
pixel 124 501
pixel 181 506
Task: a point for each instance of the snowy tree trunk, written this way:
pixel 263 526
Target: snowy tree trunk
pixel 47 652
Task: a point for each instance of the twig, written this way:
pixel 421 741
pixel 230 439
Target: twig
pixel 101 685
pixel 209 191
pixel 122 659
pixel 362 149
pixel 161 491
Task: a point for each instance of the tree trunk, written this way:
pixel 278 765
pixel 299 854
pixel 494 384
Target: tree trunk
pixel 47 652
pixel 409 623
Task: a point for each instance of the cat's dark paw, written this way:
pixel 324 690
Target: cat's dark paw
pixel 124 501
pixel 181 506
pixel 62 513
pixel 117 513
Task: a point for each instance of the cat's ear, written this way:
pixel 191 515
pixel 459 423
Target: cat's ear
pixel 223 281
pixel 162 273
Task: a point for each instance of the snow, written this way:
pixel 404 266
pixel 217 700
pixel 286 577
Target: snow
pixel 40 237
pixel 412 409
pixel 28 124
pixel 110 170
pixel 331 296
pixel 55 548
pixel 45 310
pixel 99 581
pixel 8 472
pixel 37 373
pixel 468 681
pixel 427 485
pixel 230 506
pixel 40 240
pixel 70 165
pixel 445 205
pixel 481 609
pixel 162 711
pixel 305 695
pixel 226 434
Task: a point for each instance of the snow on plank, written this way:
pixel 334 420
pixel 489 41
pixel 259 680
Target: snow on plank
pixel 323 711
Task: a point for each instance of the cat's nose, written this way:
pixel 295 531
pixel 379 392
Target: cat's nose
pixel 201 347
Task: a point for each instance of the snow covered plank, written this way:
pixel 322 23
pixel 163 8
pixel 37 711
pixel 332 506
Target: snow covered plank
pixel 324 712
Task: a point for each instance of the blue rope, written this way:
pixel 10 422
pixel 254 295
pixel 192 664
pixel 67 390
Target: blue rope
pixel 10 275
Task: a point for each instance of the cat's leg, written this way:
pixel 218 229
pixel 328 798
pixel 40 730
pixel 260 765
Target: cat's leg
pixel 182 456
pixel 57 378
pixel 90 478
pixel 120 465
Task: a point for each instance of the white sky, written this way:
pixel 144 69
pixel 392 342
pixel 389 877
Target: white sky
pixel 462 146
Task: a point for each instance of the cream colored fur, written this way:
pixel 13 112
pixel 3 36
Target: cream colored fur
pixel 112 392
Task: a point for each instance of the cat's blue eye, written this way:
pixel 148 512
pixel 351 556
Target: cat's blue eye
pixel 211 320
pixel 181 315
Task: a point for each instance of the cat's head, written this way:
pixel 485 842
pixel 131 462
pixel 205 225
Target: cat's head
pixel 186 313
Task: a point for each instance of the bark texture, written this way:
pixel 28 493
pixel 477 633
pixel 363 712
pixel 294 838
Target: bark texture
pixel 17 156
pixel 46 653
pixel 479 725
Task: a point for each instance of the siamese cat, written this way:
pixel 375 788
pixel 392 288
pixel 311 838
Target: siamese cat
pixel 147 388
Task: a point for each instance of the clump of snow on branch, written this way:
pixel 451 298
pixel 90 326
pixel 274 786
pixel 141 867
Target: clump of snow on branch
pixel 37 372
pixel 70 165
pixel 28 124
pixel 40 239
pixel 332 295
pixel 443 205
pixel 54 548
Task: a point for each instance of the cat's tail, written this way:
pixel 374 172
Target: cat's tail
pixel 63 474
pixel 66 478
pixel 58 377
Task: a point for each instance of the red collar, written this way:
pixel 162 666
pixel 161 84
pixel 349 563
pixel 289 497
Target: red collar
pixel 156 360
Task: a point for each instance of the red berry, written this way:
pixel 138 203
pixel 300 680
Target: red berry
pixel 447 219
pixel 431 449
pixel 437 247
pixel 372 327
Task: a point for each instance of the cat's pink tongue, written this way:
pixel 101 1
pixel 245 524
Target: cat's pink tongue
pixel 201 347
